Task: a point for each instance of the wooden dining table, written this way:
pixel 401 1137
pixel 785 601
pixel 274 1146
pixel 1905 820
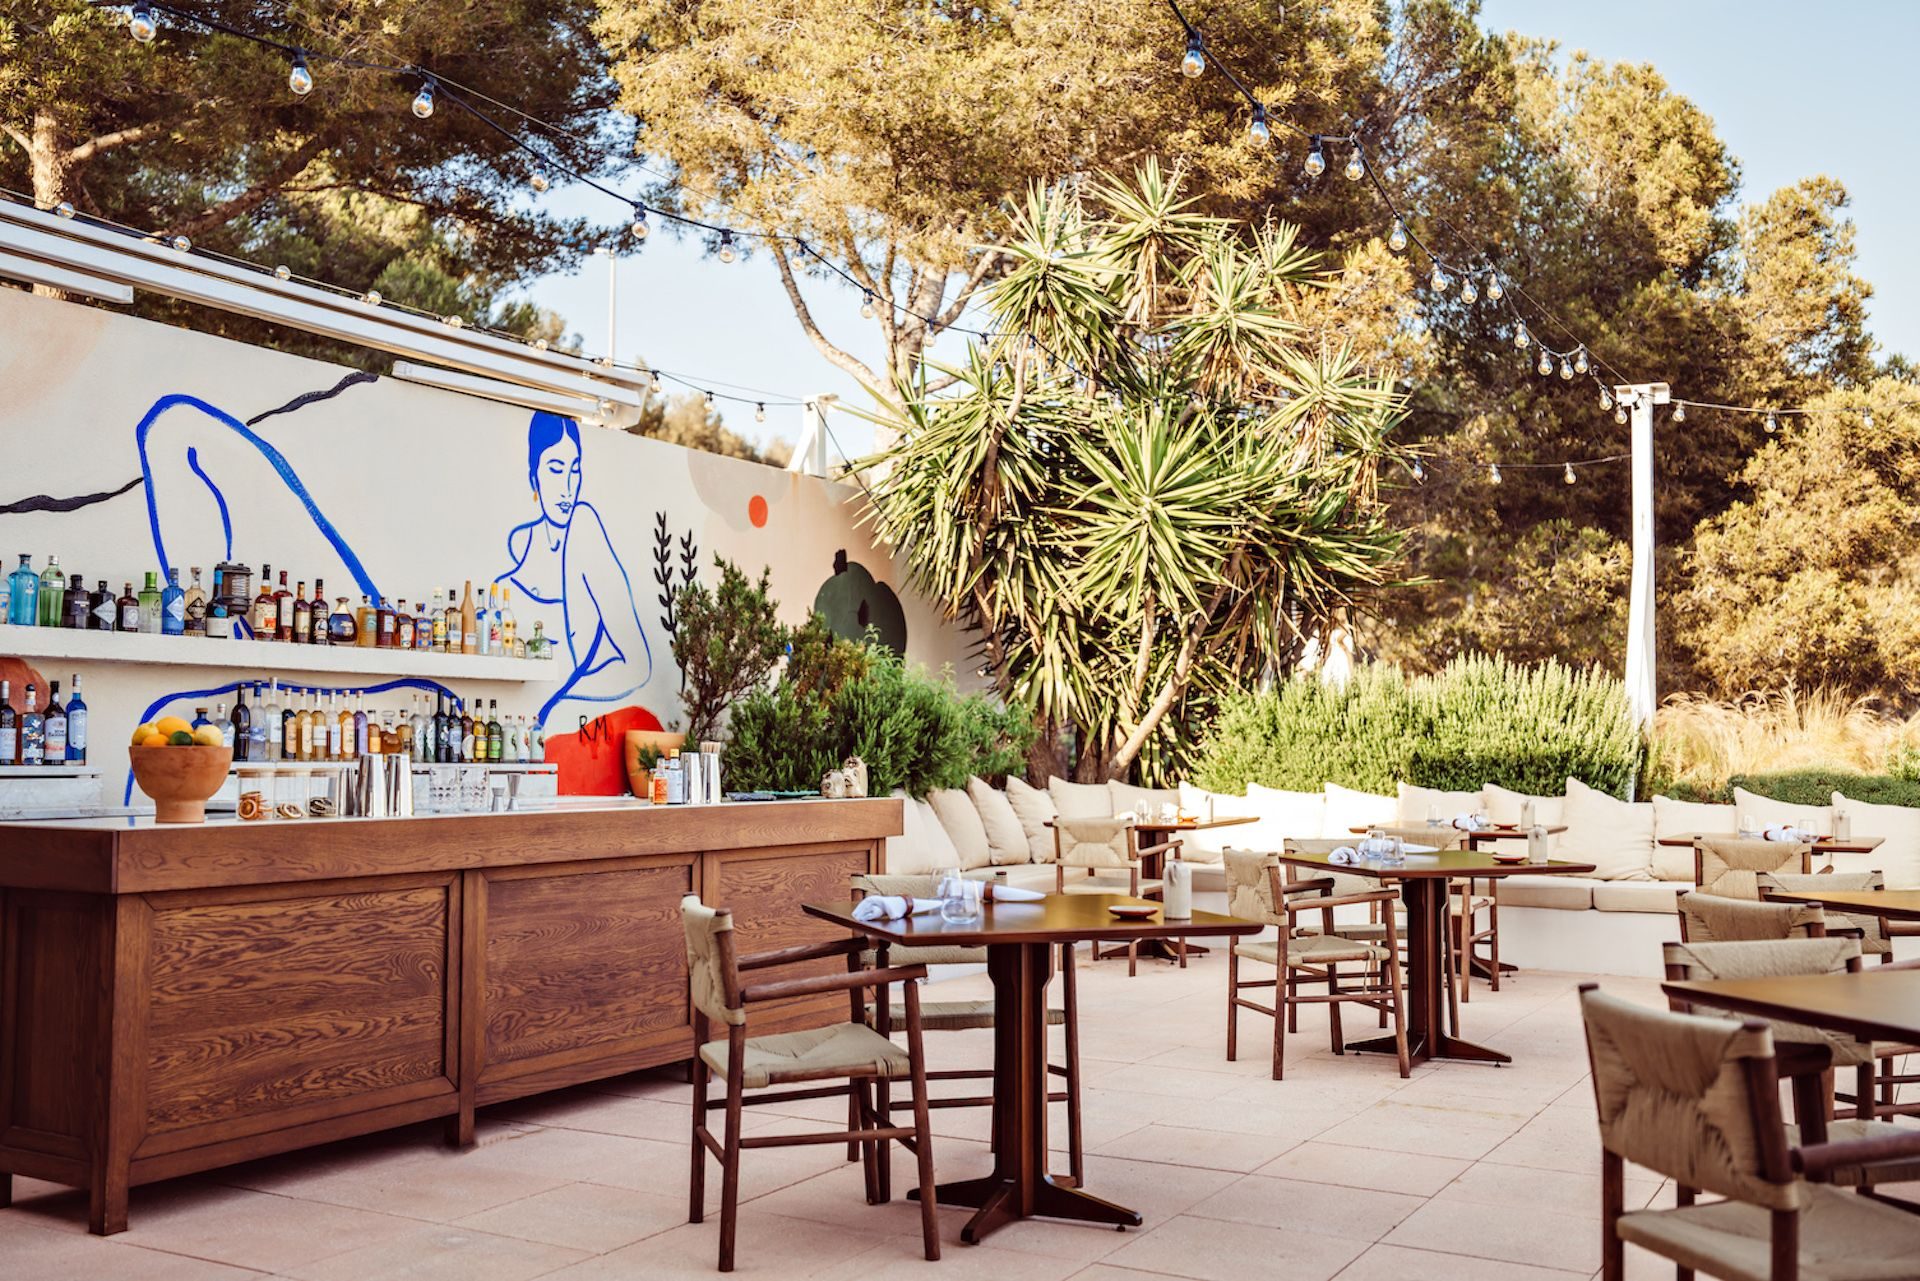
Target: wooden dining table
pixel 1873 1004
pixel 1888 905
pixel 1821 844
pixel 1021 939
pixel 1423 880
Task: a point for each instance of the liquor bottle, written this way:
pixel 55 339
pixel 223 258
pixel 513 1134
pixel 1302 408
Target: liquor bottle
pixel 496 733
pixel 102 610
pixel 537 743
pixel 360 726
pixel 149 602
pixel 265 619
pixel 53 594
pixel 54 726
pixel 129 607
pixel 366 624
pixel 33 731
pixel 241 739
pixel 282 610
pixel 219 617
pixel 23 608
pixel 388 626
pixel 275 729
pixel 469 640
pixel 376 743
pixel 539 646
pixel 302 616
pixel 257 741
pixel 497 642
pixel 173 606
pixel 417 735
pixel 509 631
pixel 340 628
pixel 318 613
pixel 196 624
pixel 422 627
pixel 454 639
pixel 6 598
pixel 225 723
pixel 466 728
pixel 394 733
pixel 402 626
pixel 78 608
pixel 9 726
pixel 349 737
pixel 76 726
pixel 437 624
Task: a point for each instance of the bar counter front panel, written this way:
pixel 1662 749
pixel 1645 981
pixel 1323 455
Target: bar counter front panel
pixel 174 999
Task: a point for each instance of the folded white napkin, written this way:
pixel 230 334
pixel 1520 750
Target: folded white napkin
pixel 1467 823
pixel 1344 854
pixel 1014 894
pixel 891 907
pixel 1782 832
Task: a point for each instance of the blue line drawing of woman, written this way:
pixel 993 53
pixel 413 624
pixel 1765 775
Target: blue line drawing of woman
pixel 565 557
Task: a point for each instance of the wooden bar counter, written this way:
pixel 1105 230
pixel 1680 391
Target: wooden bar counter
pixel 178 998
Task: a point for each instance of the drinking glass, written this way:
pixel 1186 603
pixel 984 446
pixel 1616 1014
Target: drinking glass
pixel 1746 826
pixel 1480 820
pixel 1433 816
pixel 1393 852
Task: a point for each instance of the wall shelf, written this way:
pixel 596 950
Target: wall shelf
pixel 49 771
pixel 270 658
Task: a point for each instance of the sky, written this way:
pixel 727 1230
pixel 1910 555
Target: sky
pixel 1793 91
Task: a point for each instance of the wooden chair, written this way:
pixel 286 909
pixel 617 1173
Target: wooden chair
pixel 1255 892
pixel 1731 866
pixel 1698 1100
pixel 1714 918
pixel 1108 850
pixel 960 1016
pixel 849 1050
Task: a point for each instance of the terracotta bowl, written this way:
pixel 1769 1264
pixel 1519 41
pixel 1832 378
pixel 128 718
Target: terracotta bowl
pixel 180 779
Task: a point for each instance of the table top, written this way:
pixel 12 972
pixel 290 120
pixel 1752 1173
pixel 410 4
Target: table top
pixel 1897 905
pixel 1180 824
pixel 1821 844
pixel 1873 1006
pixel 1441 865
pixel 1057 918
pixel 1499 831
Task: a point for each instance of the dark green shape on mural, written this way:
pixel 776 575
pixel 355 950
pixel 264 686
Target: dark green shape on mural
pixel 851 602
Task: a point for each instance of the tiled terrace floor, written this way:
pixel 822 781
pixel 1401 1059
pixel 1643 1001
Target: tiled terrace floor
pixel 1343 1170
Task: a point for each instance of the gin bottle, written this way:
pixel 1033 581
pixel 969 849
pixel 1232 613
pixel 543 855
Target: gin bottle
pixel 53 594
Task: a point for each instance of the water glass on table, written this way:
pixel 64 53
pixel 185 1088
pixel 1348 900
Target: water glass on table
pixel 959 897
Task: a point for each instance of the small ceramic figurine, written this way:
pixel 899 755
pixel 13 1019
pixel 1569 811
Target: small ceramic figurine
pixel 856 771
pixel 833 784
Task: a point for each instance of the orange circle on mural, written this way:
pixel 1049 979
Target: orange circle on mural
pixel 757 511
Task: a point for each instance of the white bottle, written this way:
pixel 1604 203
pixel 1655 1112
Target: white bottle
pixel 276 747
pixel 226 725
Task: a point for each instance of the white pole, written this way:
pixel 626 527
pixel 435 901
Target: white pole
pixel 613 302
pixel 810 451
pixel 1642 696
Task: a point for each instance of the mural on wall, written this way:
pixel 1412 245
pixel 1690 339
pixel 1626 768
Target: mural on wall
pixel 388 488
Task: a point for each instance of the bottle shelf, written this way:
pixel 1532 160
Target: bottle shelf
pixel 49 771
pixel 273 657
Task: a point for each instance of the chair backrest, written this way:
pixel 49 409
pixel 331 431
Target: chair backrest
pixel 1251 875
pixel 1759 958
pixel 1441 838
pixel 712 977
pixel 1344 883
pixel 1696 1099
pixel 1094 842
pixel 1711 918
pixel 1731 866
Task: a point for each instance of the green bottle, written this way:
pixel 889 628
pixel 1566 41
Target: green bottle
pixel 53 594
pixel 150 604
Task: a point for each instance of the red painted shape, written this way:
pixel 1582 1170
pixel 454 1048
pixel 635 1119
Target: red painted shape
pixel 591 760
pixel 757 511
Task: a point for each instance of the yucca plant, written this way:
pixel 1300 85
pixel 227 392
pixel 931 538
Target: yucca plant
pixel 1149 484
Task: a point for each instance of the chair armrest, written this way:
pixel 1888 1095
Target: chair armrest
pixel 1317 884
pixel 831 983
pixel 1343 900
pixel 804 952
pixel 1162 847
pixel 1823 1158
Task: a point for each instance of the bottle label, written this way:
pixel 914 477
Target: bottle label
pixel 9 739
pixel 56 744
pixel 103 613
pixel 176 609
pixel 130 618
pixel 77 732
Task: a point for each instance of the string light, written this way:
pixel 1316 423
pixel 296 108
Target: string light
pixel 64 209
pixel 1679 411
pixel 1438 280
pixel 423 101
pixel 1545 365
pixel 541 344
pixel 726 246
pixel 866 305
pixel 1419 472
pixel 1495 290
pixel 759 413
pixel 1468 293
pixel 1316 162
pixel 1866 419
pixel 181 243
pixel 1356 167
pixel 1520 337
pixel 1566 370
pixel 300 80
pixel 1606 399
pixel 653 381
pixel 538 180
pixel 1257 128
pixel 371 298
pixel 1196 60
pixel 707 399
pixel 1493 472
pixel 640 228
pixel 1773 422
pixel 1397 238
pixel 141 25
pixel 283 272
pixel 1569 473
pixel 1620 414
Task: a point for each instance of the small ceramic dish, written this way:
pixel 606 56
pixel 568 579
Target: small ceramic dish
pixel 1133 911
pixel 1510 858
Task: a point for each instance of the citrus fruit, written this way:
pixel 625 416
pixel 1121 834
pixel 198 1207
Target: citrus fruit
pixel 143 733
pixel 180 738
pixel 155 739
pixel 209 736
pixel 172 725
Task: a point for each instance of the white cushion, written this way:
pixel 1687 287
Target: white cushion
pixel 1615 836
pixel 1505 806
pixel 1686 818
pixel 1125 796
pixel 913 852
pixel 956 812
pixel 1416 801
pixel 939 850
pixel 1661 897
pixel 1765 812
pixel 1081 800
pixel 1006 839
pixel 1034 808
pixel 1207 844
pixel 1565 893
pixel 1899 858
pixel 1282 814
pixel 1348 809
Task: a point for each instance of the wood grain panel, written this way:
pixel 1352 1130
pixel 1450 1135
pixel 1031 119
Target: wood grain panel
pixel 49 972
pixel 583 957
pixel 765 890
pixel 264 1004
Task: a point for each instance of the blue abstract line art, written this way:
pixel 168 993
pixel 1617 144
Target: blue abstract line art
pixel 226 517
pixel 274 458
pixel 565 556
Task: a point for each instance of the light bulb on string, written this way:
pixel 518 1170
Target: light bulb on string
pixel 1196 60
pixel 1569 473
pixel 1356 165
pixel 64 209
pixel 1521 338
pixel 1419 472
pixel 538 180
pixel 1493 472
pixel 456 322
pixel 1580 361
pixel 1257 128
pixel 653 381
pixel 1438 280
pixel 371 298
pixel 423 101
pixel 540 344
pixel 1316 160
pixel 708 400
pixel 1773 422
pixel 726 247
pixel 1566 370
pixel 640 227
pixel 759 413
pixel 1606 399
pixel 181 243
pixel 1679 411
pixel 1545 365
pixel 1495 290
pixel 866 305
pixel 141 25
pixel 283 272
pixel 1397 238
pixel 300 80
pixel 1620 414
pixel 1866 419
pixel 1469 294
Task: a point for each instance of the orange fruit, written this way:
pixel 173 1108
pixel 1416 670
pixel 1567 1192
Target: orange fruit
pixel 143 733
pixel 173 725
pixel 155 739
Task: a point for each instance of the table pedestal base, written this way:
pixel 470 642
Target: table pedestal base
pixel 998 1202
pixel 1428 931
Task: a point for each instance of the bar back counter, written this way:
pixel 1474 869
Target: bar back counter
pixel 178 998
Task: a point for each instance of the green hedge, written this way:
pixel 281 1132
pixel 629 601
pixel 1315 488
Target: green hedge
pixel 1480 720
pixel 1815 787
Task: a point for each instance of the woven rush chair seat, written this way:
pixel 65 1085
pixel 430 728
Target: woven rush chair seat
pixel 1312 949
pixel 957 1016
pixel 1843 1237
pixel 811 1054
